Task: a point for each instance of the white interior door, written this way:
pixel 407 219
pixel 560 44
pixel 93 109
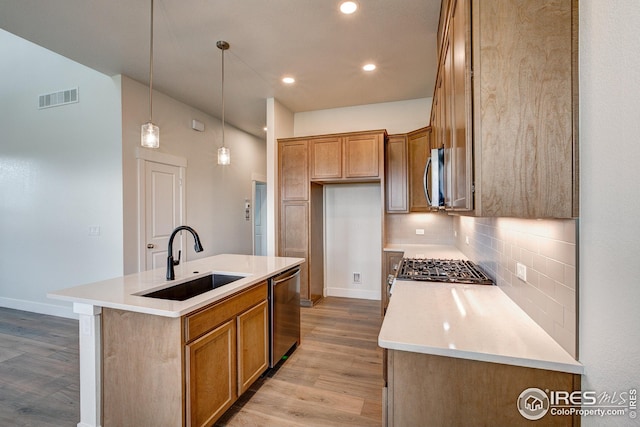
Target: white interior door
pixel 163 211
pixel 260 218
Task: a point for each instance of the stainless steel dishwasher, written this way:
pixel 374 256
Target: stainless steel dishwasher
pixel 284 301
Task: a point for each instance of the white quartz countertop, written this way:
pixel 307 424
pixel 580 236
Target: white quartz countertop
pixel 124 292
pixel 425 251
pixel 473 322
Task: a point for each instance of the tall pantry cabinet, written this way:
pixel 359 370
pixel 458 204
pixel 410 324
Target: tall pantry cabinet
pixel 300 202
pixel 505 107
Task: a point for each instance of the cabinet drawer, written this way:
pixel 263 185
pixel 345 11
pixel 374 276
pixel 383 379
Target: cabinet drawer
pixel 208 318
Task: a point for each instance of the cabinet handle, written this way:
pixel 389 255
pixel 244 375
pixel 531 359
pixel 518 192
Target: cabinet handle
pixel 150 246
pixel 425 182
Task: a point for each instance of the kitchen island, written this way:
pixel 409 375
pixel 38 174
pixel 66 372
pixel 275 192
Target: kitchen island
pixel 145 358
pixel 462 354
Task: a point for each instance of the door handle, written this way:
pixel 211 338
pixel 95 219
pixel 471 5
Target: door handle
pixel 150 246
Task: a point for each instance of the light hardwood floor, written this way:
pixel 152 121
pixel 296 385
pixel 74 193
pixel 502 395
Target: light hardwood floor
pixel 333 379
pixel 39 374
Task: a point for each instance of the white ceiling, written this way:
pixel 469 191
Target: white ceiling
pixel 308 39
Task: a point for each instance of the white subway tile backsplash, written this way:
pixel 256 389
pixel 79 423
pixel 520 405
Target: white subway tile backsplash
pixel 401 228
pixel 548 248
pixel 555 270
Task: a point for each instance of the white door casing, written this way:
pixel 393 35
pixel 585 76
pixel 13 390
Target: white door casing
pixel 259 218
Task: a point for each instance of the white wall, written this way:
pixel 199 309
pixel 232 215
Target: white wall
pixel 395 117
pixel 279 125
pixel 609 342
pixel 215 194
pixel 60 173
pixel 352 228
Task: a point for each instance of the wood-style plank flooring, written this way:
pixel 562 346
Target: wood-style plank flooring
pixel 333 379
pixel 39 375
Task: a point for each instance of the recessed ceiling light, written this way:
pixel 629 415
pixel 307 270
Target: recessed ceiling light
pixel 265 128
pixel 348 7
pixel 288 80
pixel 369 67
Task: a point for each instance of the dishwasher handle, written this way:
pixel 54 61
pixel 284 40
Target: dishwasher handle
pixel 292 274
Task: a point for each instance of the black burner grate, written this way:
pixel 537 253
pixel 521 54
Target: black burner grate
pixel 442 270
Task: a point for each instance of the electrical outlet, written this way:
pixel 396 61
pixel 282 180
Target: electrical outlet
pixel 357 278
pixel 419 230
pixel 521 271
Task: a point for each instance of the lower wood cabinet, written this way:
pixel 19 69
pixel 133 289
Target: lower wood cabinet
pixel 391 263
pixel 210 370
pixel 253 345
pixel 183 371
pixel 427 390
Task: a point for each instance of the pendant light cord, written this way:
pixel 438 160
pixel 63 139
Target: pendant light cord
pixel 151 68
pixel 223 97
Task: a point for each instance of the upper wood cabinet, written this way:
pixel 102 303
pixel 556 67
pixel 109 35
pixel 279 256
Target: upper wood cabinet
pixel 326 157
pixel 356 156
pixel 293 170
pixel 419 145
pixel 509 124
pixel 363 155
pixel 396 175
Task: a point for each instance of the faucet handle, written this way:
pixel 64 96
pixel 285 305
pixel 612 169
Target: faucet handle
pixel 179 255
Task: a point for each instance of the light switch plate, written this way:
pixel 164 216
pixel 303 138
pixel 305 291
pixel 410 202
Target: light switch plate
pixel 420 231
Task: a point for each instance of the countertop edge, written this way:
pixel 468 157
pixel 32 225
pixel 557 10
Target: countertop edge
pixel 576 368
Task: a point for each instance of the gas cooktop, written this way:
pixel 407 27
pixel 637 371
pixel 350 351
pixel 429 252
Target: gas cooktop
pixel 442 270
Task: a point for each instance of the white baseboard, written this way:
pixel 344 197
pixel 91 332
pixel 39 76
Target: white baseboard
pixel 353 293
pixel 39 307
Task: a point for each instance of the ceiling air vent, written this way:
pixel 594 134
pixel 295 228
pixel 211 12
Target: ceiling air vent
pixel 57 99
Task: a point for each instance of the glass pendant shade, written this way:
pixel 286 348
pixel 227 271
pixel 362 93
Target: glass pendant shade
pixel 150 135
pixel 224 156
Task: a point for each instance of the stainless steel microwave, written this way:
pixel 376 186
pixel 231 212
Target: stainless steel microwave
pixel 433 179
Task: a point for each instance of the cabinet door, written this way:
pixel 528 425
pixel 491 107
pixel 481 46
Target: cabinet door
pixel 396 174
pixel 461 140
pixel 253 345
pixel 210 365
pixel 362 156
pixel 294 239
pixel 392 261
pixel 293 170
pixel 326 158
pixel 419 144
pixel 447 124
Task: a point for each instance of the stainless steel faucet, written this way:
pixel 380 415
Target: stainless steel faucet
pixel 170 262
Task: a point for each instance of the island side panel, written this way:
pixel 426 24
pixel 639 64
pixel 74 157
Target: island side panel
pixel 142 369
pixel 428 390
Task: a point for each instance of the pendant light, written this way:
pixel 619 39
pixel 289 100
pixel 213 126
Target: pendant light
pixel 224 155
pixel 150 133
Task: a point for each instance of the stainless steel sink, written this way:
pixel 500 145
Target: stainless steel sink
pixel 192 288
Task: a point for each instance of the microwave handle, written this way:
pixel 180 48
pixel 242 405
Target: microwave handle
pixel 425 181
